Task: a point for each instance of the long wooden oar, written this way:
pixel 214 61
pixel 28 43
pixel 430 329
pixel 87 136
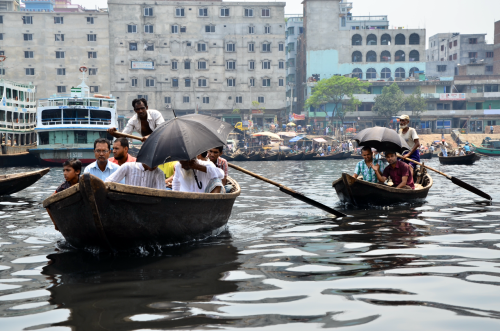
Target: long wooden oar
pixel 124 135
pixel 454 180
pixel 291 192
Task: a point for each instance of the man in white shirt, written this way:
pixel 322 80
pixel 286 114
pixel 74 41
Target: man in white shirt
pixel 145 120
pixel 139 174
pixel 443 146
pixel 197 176
pixel 101 168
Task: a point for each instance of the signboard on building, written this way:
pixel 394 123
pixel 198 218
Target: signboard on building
pixel 452 96
pixel 145 65
pixel 299 117
pixel 257 111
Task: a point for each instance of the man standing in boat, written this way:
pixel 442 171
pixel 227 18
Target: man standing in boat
pixel 365 168
pixel 411 137
pixel 145 120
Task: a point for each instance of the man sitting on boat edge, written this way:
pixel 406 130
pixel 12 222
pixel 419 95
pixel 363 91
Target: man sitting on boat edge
pixel 399 172
pixel 197 176
pixel 365 167
pixel 138 174
pixel 120 152
pixel 101 168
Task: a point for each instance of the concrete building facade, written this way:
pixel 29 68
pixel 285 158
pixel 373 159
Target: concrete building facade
pixel 294 28
pixel 496 59
pixel 47 49
pixel 210 57
pixel 9 5
pixel 38 5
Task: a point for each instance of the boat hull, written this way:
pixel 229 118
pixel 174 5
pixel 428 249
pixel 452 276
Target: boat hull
pixel 459 160
pixel 274 157
pixel 356 157
pixel 310 156
pixel 338 156
pixel 426 156
pixel 294 157
pixel 227 157
pixel 361 193
pixel 112 216
pixel 240 157
pixel 56 157
pixel 18 160
pixel 13 183
pixel 487 151
pixel 255 157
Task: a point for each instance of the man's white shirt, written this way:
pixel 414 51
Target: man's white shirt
pixel 134 124
pixel 135 175
pixel 184 180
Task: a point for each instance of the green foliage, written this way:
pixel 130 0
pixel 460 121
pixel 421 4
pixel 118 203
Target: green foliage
pixel 417 103
pixel 339 91
pixel 236 111
pixel 390 102
pixel 256 105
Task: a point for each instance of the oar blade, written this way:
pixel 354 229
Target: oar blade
pixel 316 204
pixel 470 188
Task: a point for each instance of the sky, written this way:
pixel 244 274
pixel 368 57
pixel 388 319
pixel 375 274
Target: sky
pixel 437 16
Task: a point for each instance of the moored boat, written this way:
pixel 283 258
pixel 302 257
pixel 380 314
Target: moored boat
pixel 489 148
pixel 111 216
pixel 356 156
pixel 426 156
pixel 228 157
pixel 294 157
pixel 468 159
pixel 270 157
pixel 337 156
pixel 310 155
pixel 361 193
pixel 12 183
pixel 254 157
pixel 240 157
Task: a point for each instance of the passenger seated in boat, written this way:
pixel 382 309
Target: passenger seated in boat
pixel 169 170
pixel 197 176
pixel 365 168
pixel 215 157
pixel 101 168
pixel 467 148
pixel 71 171
pixel 398 171
pixel 138 174
pixel 120 152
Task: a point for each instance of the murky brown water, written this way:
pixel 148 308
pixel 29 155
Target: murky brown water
pixel 281 265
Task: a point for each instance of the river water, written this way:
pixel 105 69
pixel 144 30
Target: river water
pixel 281 265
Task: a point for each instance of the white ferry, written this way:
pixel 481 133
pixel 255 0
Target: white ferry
pixel 17 123
pixel 68 125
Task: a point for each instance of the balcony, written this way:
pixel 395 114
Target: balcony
pixel 366 18
pixel 345 7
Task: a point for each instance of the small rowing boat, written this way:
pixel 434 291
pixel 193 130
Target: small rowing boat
pixel 240 157
pixel 270 157
pixel 310 155
pixel 337 156
pixel 254 156
pixel 361 193
pixel 356 156
pixel 10 184
pixel 468 159
pixel 294 157
pixel 112 216
pixel 426 156
pixel 228 157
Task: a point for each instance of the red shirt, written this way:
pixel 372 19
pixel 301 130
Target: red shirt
pixel 401 170
pixel 129 159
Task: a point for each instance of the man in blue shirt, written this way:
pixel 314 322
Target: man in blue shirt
pixel 365 168
pixel 102 168
pixel 467 148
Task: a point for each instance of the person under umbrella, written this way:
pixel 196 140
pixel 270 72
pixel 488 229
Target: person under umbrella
pixel 198 176
pixel 411 137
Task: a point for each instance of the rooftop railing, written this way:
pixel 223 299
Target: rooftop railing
pixel 367 18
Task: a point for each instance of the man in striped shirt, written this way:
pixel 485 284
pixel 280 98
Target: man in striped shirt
pixel 139 174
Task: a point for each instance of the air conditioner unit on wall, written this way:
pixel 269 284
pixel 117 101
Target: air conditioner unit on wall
pixel 169 106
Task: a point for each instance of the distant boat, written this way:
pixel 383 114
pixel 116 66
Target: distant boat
pixel 468 159
pixel 13 183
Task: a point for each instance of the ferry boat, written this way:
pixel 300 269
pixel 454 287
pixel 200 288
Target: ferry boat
pixel 68 125
pixel 17 123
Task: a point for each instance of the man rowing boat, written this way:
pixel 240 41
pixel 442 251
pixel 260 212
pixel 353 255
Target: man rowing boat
pixel 411 137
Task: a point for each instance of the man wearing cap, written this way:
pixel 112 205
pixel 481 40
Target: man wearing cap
pixel 467 148
pixel 411 137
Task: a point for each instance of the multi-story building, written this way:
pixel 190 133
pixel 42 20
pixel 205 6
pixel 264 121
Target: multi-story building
pixel 9 5
pixel 214 58
pixel 65 6
pixel 47 49
pixel 38 5
pixel 447 51
pixel 496 59
pixel 294 28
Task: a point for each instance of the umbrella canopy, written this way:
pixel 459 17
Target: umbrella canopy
pixel 320 140
pixel 267 134
pixel 382 139
pixel 296 139
pixel 291 124
pixel 183 138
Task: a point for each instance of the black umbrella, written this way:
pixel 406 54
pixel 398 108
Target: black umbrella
pixel 382 139
pixel 183 138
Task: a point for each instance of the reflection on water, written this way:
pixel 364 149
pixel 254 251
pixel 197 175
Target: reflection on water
pixel 280 265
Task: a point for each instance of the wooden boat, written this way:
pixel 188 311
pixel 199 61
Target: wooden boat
pixel 459 160
pixel 10 184
pixel 310 155
pixel 112 216
pixel 270 157
pixel 356 156
pixel 240 157
pixel 294 157
pixel 361 193
pixel 228 157
pixel 426 156
pixel 487 150
pixel 254 157
pixel 337 156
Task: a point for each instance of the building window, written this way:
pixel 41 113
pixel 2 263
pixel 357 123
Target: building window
pixel 251 47
pixel 202 65
pixel 2 72
pixel 91 37
pixel 400 56
pixel 30 71
pixel 150 47
pixel 28 54
pixel 209 28
pixel 281 65
pixel 266 65
pixel 173 65
pixel 134 82
pixel 385 56
pixel 251 82
pixel 251 29
pixel 414 56
pixel 386 73
pixel 415 39
pixel 230 65
pixel 231 82
pixel 266 47
pixel 29 36
pixel 1 36
pixel 267 30
pixel 168 100
pixel 357 73
pixel 132 28
pixel 203 12
pixel 442 48
pixel 150 82
pixel 249 12
pixel 187 82
pixel 266 12
pixel 472 55
pixel 281 82
pixel 224 12
pixel 400 39
pixel 260 99
pixel 61 89
pixel 148 11
pixel 489 69
pixel 400 73
pixel 450 58
pixel 175 29
pixel 371 56
pixel 90 20
pixel 455 56
pixel 251 65
pixel 357 40
pixel 206 99
pixel 27 19
pixel 1 19
pixel 371 40
pixel 179 12
pixel 266 82
pixel 187 64
pixel 202 47
pixel 92 71
pixel 175 82
pixel 473 41
pixel 61 71
pixel 371 73
pixel 450 45
pixel 490 54
pixel 132 46
pixel 142 96
pixel 441 68
pixel 386 39
pixel 58 37
pixel 185 99
pixel 357 57
pixel 281 47
pixel 58 20
pixel 239 99
pixel 148 28
pixel 92 55
pixel 455 43
pixel 230 47
pixel 94 89
pixel 202 82
pixel 291 47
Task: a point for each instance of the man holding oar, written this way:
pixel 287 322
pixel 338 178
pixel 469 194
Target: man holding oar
pixel 411 137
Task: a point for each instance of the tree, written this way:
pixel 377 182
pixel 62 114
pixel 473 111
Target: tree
pixel 417 103
pixel 390 102
pixel 339 91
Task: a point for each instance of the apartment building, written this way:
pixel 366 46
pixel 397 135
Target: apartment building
pixel 211 57
pixel 294 28
pixel 47 49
